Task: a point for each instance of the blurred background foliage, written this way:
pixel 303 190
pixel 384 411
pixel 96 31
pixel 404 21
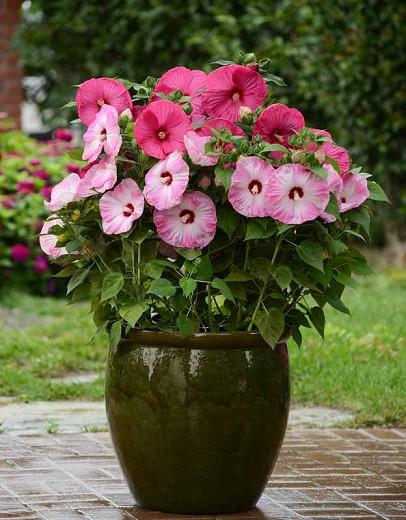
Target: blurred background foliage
pixel 344 60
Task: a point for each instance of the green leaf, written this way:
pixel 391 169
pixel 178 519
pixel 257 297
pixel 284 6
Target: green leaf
pixel 271 325
pixel 376 192
pixel 316 316
pixel 320 171
pixel 133 312
pixel 186 325
pixel 161 287
pixel 333 207
pixel 78 278
pixel 189 254
pixel 339 247
pixel 257 228
pixel 228 220
pixel 223 176
pixel 140 234
pixel 311 253
pixel 360 216
pixel 274 148
pixel 225 290
pixel 73 245
pixel 66 272
pixel 112 285
pixel 75 154
pixel 188 286
pixel 238 276
pixel 297 336
pixel 335 302
pixel 115 335
pixel 204 268
pixel 69 104
pixel 261 268
pixel 283 276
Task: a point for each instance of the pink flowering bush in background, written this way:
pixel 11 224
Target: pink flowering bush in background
pixel 28 170
pixel 204 204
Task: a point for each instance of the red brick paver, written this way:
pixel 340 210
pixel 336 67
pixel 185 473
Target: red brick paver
pixel 321 475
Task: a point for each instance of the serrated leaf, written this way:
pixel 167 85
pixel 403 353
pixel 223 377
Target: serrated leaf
pixel 271 325
pixel 311 253
pixel 188 286
pixel 225 290
pixel 133 312
pixel 112 285
pixel 161 287
pixel 78 278
pixel 186 325
pixel 376 192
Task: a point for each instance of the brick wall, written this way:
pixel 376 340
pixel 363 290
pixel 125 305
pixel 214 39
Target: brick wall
pixel 11 92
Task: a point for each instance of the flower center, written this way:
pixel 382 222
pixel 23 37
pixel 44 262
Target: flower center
pixel 278 137
pixel 103 135
pixel 296 193
pixel 343 200
pixel 100 102
pixel 187 216
pixel 255 187
pixel 236 96
pixel 166 178
pixel 128 210
pixel 162 135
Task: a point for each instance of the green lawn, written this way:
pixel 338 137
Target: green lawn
pixel 360 366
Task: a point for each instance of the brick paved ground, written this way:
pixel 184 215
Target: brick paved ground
pixel 322 475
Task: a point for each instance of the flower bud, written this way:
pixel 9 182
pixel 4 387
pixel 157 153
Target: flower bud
pixel 297 156
pixel 204 182
pixel 253 66
pixel 246 114
pixel 76 214
pixel 126 114
pixel 320 156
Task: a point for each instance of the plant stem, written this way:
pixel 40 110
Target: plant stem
pixel 139 265
pixel 211 322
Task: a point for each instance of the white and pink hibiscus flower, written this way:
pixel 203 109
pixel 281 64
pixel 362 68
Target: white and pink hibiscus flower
pixel 249 187
pixel 99 177
pixel 160 129
pixel 120 207
pixel 196 140
pixel 64 192
pixel 192 223
pixel 231 87
pixel 296 195
pixel 354 192
pixel 48 241
pixel 95 93
pixel 277 124
pixel 166 182
pixel 103 134
pixel 190 82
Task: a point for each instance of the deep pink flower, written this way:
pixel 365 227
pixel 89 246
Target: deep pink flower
pixel 103 134
pixel 46 192
pixel 41 174
pixel 161 127
pixel 166 182
pixel 354 192
pixel 249 183
pixel 192 223
pixel 296 194
pixel 120 207
pixel 277 124
pixel 73 168
pixel 9 202
pixel 190 82
pixel 313 147
pixel 64 192
pixel 231 87
pixel 20 253
pixel 48 241
pixel 41 264
pixel 136 110
pixel 339 154
pixel 63 134
pixel 35 162
pixel 95 93
pixel 100 177
pixel 26 186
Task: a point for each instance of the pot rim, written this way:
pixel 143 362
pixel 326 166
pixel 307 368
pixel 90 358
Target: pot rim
pixel 201 340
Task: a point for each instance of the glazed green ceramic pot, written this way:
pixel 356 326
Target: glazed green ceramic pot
pixel 197 423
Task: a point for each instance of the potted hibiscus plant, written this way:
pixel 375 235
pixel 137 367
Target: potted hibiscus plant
pixel 208 225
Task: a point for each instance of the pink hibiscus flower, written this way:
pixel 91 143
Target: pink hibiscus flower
pixel 249 183
pixel 166 182
pixel 231 87
pixel 354 192
pixel 312 147
pixel 339 154
pixel 335 185
pixel 99 178
pixel 103 134
pixel 190 82
pixel 94 93
pixel 277 124
pixel 161 128
pixel 192 223
pixel 64 192
pixel 120 207
pixel 297 195
pixel 48 241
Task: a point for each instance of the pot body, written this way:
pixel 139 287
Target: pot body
pixel 197 427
